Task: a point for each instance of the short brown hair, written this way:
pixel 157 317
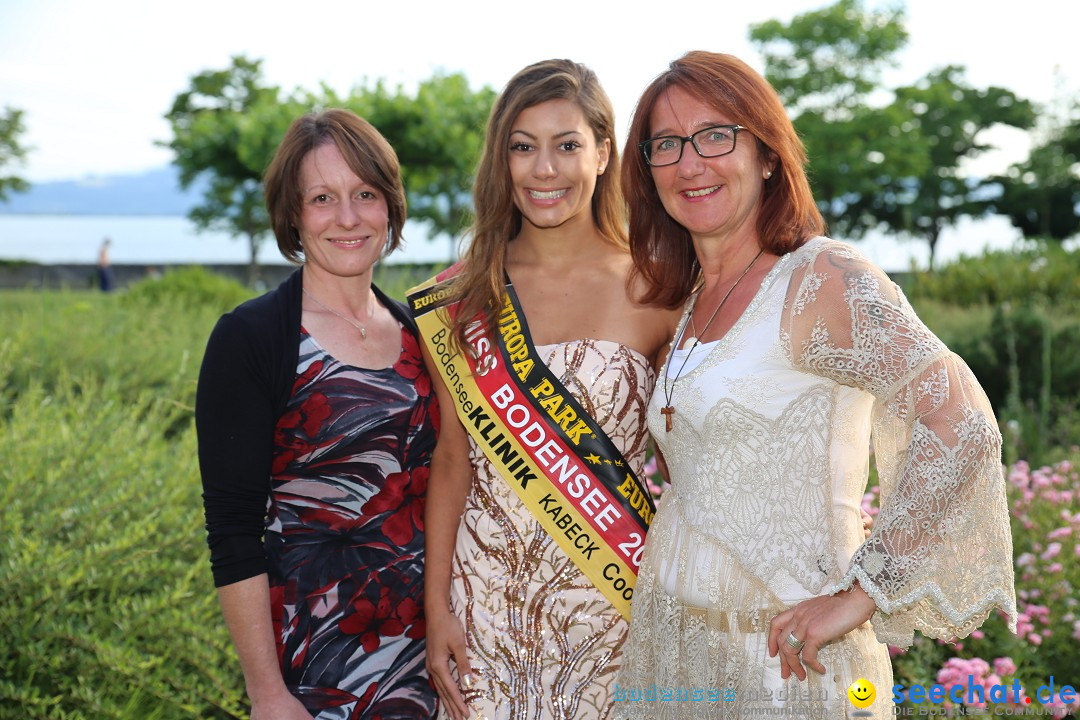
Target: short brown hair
pixel 662 249
pixel 481 285
pixel 367 153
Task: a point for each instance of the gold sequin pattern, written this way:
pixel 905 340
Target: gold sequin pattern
pixel 543 642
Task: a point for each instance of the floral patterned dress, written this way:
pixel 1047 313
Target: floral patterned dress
pixel 345 535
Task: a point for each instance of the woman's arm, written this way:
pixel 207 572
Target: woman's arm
pixel 939 558
pixel 448 488
pixel 234 418
pixel 246 607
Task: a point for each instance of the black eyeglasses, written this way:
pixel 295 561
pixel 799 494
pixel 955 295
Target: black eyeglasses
pixel 708 142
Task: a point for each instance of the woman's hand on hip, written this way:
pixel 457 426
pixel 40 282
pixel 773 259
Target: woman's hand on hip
pixel 816 622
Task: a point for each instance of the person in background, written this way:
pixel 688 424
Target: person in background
pixel 316 423
pixel 794 351
pixel 105 277
pixel 522 622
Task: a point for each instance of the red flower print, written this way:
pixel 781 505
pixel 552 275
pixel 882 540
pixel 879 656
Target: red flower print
pixel 316 409
pixel 411 614
pixel 411 365
pixel 374 621
pixel 308 376
pixel 403 494
pixel 289 448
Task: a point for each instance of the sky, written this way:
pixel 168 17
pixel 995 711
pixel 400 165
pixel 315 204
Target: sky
pixel 96 78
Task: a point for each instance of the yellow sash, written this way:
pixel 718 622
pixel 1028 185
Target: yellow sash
pixel 556 458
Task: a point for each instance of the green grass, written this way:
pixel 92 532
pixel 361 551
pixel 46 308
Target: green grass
pixel 108 607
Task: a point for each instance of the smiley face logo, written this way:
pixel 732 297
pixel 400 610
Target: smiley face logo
pixel 861 693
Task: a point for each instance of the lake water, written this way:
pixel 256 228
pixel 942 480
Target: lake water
pixel 149 240
pixel 56 239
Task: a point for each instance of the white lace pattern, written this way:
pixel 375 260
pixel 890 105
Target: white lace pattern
pixel 769 457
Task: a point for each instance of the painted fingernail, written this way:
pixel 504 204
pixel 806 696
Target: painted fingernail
pixel 466 680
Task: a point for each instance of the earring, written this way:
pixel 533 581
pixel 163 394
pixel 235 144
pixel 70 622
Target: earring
pixel 768 174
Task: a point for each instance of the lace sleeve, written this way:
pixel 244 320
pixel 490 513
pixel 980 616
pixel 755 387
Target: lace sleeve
pixel 939 559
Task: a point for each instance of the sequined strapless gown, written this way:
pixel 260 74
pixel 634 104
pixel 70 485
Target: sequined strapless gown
pixel 542 640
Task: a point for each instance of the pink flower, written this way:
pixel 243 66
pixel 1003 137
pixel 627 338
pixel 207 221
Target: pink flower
pixel 1052 551
pixel 1059 533
pixel 1034 638
pixel 1004 666
pixel 650 466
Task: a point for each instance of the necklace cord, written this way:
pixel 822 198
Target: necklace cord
pixel 697 339
pixel 332 311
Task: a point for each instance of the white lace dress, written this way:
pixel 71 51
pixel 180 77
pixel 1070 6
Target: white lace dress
pixel 768 459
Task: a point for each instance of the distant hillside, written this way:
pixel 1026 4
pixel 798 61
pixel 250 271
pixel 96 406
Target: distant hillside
pixel 155 192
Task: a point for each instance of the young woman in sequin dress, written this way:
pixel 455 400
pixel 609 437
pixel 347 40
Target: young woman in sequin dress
pixel 515 630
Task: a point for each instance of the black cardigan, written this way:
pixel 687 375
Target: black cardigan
pixel 245 384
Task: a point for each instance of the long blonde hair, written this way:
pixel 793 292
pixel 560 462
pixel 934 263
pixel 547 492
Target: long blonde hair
pixel 480 287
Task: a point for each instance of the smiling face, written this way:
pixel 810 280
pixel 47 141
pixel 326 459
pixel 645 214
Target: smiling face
pixel 710 197
pixel 554 162
pixel 343 220
pixel 862 693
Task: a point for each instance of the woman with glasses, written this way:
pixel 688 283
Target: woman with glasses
pixel 536 509
pixel 316 424
pixel 758 589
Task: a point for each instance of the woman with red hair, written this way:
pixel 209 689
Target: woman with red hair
pixel 758 589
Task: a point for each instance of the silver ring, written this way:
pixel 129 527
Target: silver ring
pixel 794 642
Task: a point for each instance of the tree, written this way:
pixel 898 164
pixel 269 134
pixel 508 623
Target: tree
pixel 212 124
pixel 228 124
pixel 438 136
pixel 825 65
pixel 949 116
pixel 11 151
pixel 1041 195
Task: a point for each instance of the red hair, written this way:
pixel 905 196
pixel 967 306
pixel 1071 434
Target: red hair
pixel 662 249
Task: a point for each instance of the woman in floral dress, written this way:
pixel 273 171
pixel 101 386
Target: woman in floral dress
pixel 316 423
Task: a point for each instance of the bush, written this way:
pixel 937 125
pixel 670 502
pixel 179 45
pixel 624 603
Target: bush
pixel 109 609
pixel 189 288
pixel 137 346
pixel 1045 510
pixel 1040 272
pixel 1027 359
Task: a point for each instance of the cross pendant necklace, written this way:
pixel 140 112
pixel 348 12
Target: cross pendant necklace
pixel 668 410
